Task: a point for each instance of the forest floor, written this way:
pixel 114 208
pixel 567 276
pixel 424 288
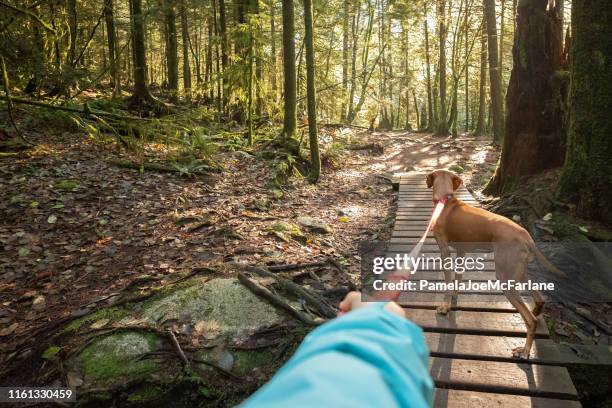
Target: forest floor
pixel 76 230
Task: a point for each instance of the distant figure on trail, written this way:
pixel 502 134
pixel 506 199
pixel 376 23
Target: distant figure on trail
pixel 371 356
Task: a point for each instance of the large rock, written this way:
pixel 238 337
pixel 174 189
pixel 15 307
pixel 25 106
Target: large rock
pixel 218 312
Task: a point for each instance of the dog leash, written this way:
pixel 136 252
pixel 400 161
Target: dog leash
pixel 415 252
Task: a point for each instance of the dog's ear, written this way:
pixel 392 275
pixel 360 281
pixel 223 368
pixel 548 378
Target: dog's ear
pixel 430 179
pixel 456 181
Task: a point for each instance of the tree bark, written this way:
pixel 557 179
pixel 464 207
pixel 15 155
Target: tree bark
pixel 171 49
pixel 224 54
pixel 141 95
pixel 534 132
pixel 345 58
pixel 273 72
pixel 442 127
pixel 290 81
pixel 482 95
pixel 315 160
pixel 494 72
pixel 430 111
pixel 71 6
pixel 185 38
pixel 109 17
pixel 585 179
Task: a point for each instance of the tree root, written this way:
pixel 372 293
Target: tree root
pixel 274 300
pixel 318 304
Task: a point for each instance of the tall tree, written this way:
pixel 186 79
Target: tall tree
pixel 587 173
pixel 185 38
pixel 171 49
pixel 494 72
pixel 290 81
pixel 141 95
pixel 430 111
pixel 442 126
pixel 315 160
pixel 109 17
pixel 224 54
pixel 345 57
pixel 273 49
pixel 482 94
pixel 534 130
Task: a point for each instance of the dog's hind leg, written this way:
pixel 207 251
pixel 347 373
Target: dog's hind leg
pixel 539 303
pixel 445 307
pixel 530 321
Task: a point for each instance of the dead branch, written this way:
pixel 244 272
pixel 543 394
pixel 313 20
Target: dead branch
pixel 273 299
pixel 293 267
pixel 177 348
pixel 317 303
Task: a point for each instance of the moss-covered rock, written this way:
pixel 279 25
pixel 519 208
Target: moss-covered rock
pixel 131 359
pixel 223 305
pixel 116 357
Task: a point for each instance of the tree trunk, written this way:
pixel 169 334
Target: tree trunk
pixel 585 179
pixel 315 160
pixel 467 68
pixel 345 59
pixel 224 53
pixel 171 49
pixel 494 73
pixel 71 6
pixel 185 38
pixel 534 132
pixel 430 111
pixel 141 94
pixel 110 35
pixel 354 38
pixel 273 50
pixel 290 82
pixel 442 128
pixel 482 95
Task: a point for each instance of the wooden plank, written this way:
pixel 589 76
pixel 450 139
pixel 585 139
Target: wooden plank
pixel 504 378
pixel 485 323
pixel 481 302
pixel 490 348
pixel 471 399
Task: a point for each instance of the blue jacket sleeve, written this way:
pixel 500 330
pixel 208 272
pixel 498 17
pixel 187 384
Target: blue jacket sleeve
pixel 368 358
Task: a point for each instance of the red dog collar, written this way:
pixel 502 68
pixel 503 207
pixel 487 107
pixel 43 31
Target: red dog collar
pixel 444 200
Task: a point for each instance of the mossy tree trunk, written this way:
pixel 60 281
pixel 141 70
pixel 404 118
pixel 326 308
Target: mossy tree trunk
pixel 290 81
pixel 534 131
pixel 587 173
pixel 315 160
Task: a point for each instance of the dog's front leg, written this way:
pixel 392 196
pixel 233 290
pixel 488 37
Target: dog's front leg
pixel 445 307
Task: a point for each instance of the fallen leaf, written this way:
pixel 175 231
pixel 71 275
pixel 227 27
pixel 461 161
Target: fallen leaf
pixel 52 219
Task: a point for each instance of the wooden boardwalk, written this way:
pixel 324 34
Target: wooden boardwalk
pixel 471 348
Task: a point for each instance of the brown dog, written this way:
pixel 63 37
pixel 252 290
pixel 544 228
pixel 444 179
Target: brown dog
pixel 468 229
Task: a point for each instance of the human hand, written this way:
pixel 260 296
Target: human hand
pixel 353 300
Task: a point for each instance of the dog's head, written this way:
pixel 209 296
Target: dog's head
pixel 444 183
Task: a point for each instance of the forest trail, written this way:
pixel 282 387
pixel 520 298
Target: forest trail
pixel 471 348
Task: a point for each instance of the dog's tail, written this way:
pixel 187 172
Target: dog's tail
pixel 552 268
